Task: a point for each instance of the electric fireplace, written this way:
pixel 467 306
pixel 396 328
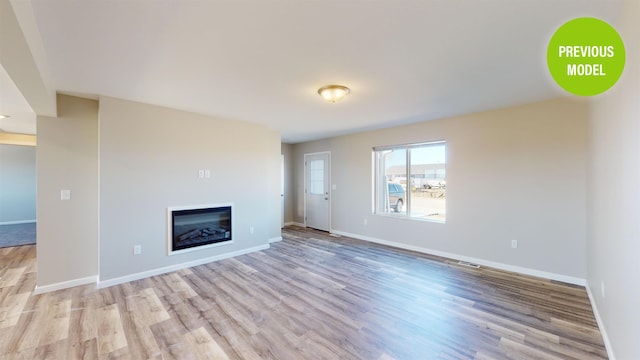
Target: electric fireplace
pixel 197 227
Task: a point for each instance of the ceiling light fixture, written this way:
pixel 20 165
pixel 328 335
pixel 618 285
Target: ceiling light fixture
pixel 333 93
pixel 3 116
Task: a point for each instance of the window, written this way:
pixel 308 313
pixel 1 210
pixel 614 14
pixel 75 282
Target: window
pixel 410 180
pixel 316 174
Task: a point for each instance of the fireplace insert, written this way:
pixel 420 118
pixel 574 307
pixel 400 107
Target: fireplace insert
pixel 196 227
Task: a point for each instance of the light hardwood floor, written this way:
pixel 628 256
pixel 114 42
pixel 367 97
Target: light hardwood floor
pixel 311 296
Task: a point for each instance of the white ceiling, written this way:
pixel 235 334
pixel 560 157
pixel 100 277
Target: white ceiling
pixel 262 61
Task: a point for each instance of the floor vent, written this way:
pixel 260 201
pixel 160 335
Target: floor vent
pixel 468 264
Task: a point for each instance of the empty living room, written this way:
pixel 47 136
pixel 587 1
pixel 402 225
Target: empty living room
pixel 272 179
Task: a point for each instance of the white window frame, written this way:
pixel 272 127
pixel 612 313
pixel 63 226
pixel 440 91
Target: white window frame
pixel 377 178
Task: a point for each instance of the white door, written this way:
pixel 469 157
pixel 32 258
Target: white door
pixel 281 191
pixel 317 191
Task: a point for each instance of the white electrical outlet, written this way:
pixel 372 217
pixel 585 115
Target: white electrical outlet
pixel 602 288
pixel 251 229
pixel 201 174
pixel 365 222
pixel 207 174
pixel 514 244
pixel 137 249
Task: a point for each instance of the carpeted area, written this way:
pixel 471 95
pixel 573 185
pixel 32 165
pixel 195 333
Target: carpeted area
pixel 17 234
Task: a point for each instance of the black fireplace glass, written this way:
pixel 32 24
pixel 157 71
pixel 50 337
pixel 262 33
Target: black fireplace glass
pixel 199 227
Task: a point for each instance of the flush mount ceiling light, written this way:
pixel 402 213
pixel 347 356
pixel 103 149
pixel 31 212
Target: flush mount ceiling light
pixel 2 116
pixel 333 93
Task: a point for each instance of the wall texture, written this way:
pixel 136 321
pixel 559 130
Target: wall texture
pixel 516 173
pixel 67 158
pixel 614 198
pixel 149 160
pixel 17 183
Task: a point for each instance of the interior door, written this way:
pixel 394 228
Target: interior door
pixel 281 191
pixel 317 199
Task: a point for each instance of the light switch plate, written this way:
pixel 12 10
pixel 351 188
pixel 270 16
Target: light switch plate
pixel 65 194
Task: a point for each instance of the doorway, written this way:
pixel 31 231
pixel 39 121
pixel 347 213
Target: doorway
pixel 18 195
pixel 317 200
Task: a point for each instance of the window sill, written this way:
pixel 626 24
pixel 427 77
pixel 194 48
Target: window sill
pixel 404 216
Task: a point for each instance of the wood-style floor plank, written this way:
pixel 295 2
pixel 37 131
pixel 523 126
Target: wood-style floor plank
pixel 110 335
pixel 11 309
pixel 202 345
pixel 310 296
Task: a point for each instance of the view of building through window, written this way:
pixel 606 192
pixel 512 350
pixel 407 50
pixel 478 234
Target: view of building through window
pixel 410 180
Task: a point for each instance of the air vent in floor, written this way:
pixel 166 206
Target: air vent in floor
pixel 468 264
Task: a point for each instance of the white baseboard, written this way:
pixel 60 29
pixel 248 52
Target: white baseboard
pixel 497 265
pixel 17 222
pixel 275 239
pixel 65 285
pixel 176 267
pixel 293 223
pixel 603 331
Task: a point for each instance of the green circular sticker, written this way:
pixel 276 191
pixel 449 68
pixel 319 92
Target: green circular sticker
pixel 586 56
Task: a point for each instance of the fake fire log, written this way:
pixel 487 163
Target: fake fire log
pixel 202 233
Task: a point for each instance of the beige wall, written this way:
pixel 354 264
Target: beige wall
pixel 614 199
pixel 516 173
pixel 126 168
pixel 67 158
pixel 17 183
pixel 149 160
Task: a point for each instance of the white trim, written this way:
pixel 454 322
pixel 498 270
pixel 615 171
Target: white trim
pixel 497 265
pixel 293 223
pixel 170 211
pixel 275 239
pixel 319 152
pixel 603 331
pixel 65 285
pixel 176 267
pixel 17 222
